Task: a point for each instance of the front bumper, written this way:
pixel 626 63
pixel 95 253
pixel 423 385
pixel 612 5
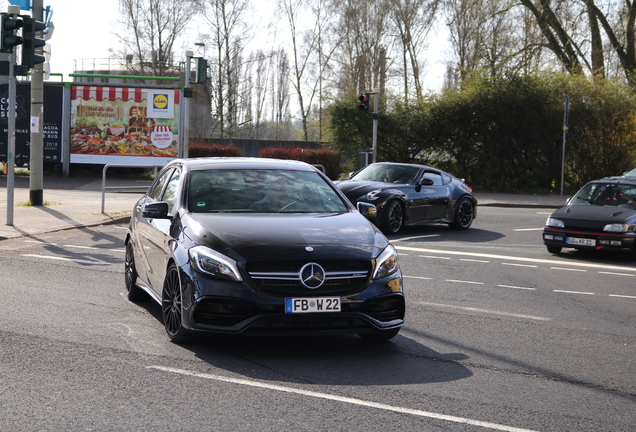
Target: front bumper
pixel 211 305
pixel 588 240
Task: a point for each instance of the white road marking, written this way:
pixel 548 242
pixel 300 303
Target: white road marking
pixel 517 287
pixel 573 292
pixel 417 277
pixel 79 261
pixel 466 282
pixel 520 265
pixel 512 258
pixel 434 257
pixel 568 269
pixel 344 399
pixel 617 274
pixel 75 246
pixel 486 311
pixel 415 238
pixel 95 248
pixel 528 229
pixel 473 260
pixel 622 296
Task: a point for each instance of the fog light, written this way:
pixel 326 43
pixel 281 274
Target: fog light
pixel 558 238
pixel 548 236
pixel 603 242
pixel 616 243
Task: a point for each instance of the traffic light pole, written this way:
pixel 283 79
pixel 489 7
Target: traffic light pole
pixel 11 141
pixel 375 116
pixel 36 161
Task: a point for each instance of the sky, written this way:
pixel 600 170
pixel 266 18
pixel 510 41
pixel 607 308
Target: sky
pixel 84 29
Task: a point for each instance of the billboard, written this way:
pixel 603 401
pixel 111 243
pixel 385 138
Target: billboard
pixel 125 126
pixel 51 129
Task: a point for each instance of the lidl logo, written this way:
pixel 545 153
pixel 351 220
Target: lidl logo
pixel 160 101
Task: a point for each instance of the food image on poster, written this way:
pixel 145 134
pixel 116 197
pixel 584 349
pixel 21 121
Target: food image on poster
pixel 108 121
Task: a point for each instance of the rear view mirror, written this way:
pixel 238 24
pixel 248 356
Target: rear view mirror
pixel 427 182
pixel 157 210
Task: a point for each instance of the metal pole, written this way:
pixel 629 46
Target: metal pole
pixel 11 143
pixel 566 108
pixel 36 159
pixel 184 129
pixel 376 96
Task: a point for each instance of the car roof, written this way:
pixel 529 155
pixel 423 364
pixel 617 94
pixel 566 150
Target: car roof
pixel 196 164
pixel 405 164
pixel 617 179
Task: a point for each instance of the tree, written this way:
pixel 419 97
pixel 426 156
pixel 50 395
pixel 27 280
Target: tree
pixel 229 36
pixel 587 51
pixel 155 26
pixel 412 20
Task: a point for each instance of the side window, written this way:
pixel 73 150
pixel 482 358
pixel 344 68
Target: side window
pixel 436 177
pixel 159 185
pixel 172 189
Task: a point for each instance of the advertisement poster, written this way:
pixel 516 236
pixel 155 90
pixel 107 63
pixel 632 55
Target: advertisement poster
pixel 124 126
pixel 51 129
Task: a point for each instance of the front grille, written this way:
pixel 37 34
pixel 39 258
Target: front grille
pixel 584 225
pixel 283 278
pixel 226 312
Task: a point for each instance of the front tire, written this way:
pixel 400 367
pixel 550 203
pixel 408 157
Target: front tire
pixel 130 275
pixel 464 214
pixel 392 217
pixel 171 307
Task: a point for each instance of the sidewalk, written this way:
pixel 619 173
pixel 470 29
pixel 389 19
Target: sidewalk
pixel 72 202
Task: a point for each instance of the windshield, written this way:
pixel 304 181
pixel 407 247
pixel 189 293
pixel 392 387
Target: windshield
pixel 388 174
pixel 261 191
pixel 606 194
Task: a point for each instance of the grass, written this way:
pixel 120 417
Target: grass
pixel 30 204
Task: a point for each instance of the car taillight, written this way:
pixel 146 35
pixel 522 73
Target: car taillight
pixel 468 187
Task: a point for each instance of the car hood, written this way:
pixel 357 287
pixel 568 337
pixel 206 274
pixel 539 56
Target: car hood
pixel 358 188
pixel 287 236
pixel 594 214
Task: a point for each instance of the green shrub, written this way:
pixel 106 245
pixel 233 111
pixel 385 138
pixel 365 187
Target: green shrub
pixel 200 149
pixel 329 159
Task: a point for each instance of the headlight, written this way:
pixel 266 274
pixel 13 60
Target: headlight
pixel 386 263
pixel 552 222
pixel 373 195
pixel 207 261
pixel 619 227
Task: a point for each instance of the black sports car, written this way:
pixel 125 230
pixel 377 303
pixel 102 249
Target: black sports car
pixel 260 246
pixel 602 215
pixel 408 194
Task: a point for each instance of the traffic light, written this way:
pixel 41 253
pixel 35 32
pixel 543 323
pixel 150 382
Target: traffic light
pixel 364 102
pixel 30 42
pixel 201 73
pixel 8 39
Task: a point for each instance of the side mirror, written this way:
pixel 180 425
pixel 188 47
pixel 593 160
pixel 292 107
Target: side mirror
pixel 157 210
pixel 427 182
pixel 367 210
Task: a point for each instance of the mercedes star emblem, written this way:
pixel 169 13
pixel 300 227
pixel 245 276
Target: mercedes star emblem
pixel 312 275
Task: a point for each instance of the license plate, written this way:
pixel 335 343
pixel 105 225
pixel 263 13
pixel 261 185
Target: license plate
pixel 580 241
pixel 314 304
